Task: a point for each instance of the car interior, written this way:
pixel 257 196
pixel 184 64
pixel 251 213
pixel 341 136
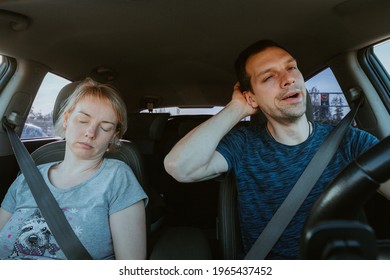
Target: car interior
pixel 170 57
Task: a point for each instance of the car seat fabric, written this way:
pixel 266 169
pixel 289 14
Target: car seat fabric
pixel 64 93
pixel 145 129
pixel 189 204
pixel 179 238
pixel 182 243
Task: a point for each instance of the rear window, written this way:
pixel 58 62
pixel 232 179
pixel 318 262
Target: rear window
pixel 177 111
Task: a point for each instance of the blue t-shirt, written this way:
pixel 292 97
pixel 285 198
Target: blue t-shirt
pixel 266 171
pixel 87 206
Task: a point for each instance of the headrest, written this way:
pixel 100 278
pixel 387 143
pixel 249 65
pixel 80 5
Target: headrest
pixel 64 93
pixel 146 126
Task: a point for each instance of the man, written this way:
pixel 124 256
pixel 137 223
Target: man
pixel 267 159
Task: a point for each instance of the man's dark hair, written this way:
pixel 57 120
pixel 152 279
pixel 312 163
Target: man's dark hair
pixel 240 65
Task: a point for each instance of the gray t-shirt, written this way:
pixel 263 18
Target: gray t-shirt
pixel 87 207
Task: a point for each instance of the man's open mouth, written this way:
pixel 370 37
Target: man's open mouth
pixel 291 95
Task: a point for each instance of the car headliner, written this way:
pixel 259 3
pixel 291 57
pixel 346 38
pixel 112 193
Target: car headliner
pixel 182 52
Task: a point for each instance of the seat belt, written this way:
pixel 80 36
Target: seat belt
pixel 51 211
pixel 282 217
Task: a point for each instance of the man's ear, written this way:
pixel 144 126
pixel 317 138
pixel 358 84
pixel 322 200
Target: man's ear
pixel 250 98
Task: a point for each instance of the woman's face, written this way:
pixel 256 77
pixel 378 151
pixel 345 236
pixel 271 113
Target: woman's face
pixel 90 127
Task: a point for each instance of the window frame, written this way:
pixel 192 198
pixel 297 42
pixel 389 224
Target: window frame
pixel 376 73
pixel 7 69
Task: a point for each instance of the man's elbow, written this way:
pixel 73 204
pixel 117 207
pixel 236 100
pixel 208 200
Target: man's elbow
pixel 175 169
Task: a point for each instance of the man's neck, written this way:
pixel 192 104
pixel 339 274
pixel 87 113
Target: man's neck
pixel 290 133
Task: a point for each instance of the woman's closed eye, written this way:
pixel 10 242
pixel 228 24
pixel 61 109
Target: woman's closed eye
pixel 107 127
pixel 83 120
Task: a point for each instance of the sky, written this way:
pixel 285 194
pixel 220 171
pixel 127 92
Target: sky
pixel 382 51
pixel 48 92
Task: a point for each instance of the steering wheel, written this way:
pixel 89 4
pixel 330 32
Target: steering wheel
pixel 333 229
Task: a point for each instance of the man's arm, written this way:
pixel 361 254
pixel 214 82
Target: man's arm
pixel 194 157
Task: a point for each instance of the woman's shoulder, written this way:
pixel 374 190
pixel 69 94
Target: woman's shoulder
pixel 116 166
pixel 115 163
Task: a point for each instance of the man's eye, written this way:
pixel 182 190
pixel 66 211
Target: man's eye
pixel 267 78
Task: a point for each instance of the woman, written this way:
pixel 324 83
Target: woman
pixel 101 198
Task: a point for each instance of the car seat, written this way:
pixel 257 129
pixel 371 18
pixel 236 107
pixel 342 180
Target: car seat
pixel 189 204
pixel 145 130
pixel 186 234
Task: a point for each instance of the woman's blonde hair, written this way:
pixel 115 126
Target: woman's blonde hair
pixel 91 88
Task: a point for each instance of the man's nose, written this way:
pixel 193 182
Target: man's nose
pixel 288 79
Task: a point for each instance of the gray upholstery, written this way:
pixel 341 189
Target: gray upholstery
pixel 229 237
pixel 182 243
pixel 145 129
pixel 64 93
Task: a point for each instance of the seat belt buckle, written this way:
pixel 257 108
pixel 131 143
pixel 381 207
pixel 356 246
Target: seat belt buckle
pixel 12 121
pixel 356 96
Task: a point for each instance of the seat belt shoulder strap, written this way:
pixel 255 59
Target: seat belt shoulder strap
pixel 301 189
pixel 50 210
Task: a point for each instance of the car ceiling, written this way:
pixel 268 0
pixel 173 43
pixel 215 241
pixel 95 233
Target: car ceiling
pixel 182 52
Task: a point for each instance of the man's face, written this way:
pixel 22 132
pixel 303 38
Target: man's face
pixel 278 87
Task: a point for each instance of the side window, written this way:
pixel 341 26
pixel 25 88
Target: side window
pixel 39 123
pixel 380 70
pixel 382 52
pixel 328 101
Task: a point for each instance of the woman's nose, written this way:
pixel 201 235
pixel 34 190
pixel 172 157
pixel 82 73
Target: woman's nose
pixel 90 132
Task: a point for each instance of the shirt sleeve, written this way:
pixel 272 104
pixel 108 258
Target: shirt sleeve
pixel 359 141
pixel 231 145
pixel 9 201
pixel 125 190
